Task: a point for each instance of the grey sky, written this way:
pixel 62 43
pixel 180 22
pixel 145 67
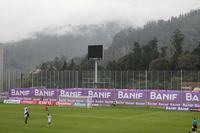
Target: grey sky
pixel 20 18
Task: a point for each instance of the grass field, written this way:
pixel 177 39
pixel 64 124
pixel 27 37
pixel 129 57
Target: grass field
pixel 95 120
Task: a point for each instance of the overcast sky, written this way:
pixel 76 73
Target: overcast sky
pixel 20 18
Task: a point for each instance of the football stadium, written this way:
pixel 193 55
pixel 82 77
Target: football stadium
pixel 100 66
pixel 97 101
pixel 95 120
pixel 121 102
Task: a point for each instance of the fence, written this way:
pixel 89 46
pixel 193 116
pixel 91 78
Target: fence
pixel 167 80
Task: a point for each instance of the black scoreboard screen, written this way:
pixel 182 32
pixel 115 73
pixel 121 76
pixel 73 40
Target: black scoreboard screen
pixel 95 51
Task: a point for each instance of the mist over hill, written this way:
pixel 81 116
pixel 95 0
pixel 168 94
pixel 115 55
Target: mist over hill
pixel 188 24
pixel 118 40
pixel 67 40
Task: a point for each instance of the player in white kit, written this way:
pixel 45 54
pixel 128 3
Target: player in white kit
pixel 49 119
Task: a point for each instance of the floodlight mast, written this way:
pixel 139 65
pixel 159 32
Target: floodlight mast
pixel 95 52
pixel 96 72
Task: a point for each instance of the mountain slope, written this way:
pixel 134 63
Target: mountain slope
pixel 188 24
pixel 69 41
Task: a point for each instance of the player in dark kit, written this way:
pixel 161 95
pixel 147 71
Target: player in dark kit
pixel 46 107
pixel 195 123
pixel 26 116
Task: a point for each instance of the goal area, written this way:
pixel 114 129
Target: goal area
pixel 76 101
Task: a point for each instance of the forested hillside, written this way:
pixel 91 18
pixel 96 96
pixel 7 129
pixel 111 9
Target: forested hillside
pixel 171 42
pixel 188 24
pixel 69 41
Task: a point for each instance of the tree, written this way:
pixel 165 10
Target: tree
pixel 85 64
pixel 57 63
pixel 72 65
pixel 132 60
pixel 177 41
pixel 159 64
pixel 176 47
pixel 196 50
pixel 163 51
pixel 150 52
pixel 124 62
pixel 65 67
pixel 137 57
pixel 113 65
pixel 47 66
pixel 189 62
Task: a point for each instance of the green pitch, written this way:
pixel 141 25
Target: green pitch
pixel 95 120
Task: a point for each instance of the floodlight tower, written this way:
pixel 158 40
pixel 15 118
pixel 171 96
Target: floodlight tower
pixel 1 66
pixel 95 52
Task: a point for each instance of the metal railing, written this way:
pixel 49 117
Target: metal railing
pixel 172 80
